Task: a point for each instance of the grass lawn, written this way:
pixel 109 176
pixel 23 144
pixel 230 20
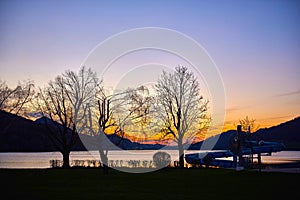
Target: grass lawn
pixel 168 184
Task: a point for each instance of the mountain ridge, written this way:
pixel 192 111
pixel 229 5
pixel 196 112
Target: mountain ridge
pixel 23 135
pixel 287 133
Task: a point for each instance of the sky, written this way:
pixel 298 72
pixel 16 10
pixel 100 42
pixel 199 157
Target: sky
pixel 254 44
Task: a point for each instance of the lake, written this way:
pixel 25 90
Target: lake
pixel 124 158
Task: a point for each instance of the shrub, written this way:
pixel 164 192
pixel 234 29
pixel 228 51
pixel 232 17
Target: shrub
pixel 161 159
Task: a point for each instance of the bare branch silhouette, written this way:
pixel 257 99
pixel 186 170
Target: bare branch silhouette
pixel 180 108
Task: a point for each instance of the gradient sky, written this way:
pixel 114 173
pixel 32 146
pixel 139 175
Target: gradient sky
pixel 255 44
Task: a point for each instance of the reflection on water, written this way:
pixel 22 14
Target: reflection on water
pixel 126 158
pixel 282 156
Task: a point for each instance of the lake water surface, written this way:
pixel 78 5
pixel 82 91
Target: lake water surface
pixel 42 160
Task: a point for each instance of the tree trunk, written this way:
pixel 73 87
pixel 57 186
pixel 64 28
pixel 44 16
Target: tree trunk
pixel 66 159
pixel 104 161
pixel 181 155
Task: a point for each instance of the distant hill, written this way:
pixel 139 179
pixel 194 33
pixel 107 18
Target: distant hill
pixel 287 133
pixel 217 142
pixel 18 134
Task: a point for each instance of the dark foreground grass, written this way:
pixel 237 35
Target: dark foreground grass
pixel 165 184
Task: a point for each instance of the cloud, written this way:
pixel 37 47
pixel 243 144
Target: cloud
pixel 236 108
pixel 288 93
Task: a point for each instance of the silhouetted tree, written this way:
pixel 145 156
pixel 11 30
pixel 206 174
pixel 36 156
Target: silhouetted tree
pixel 248 125
pixel 161 159
pixel 180 107
pixel 15 100
pixel 116 112
pixel 140 103
pixel 66 102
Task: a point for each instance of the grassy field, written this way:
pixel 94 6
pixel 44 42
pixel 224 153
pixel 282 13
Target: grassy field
pixel 164 184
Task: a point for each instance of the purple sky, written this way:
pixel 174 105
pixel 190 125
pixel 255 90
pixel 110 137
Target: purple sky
pixel 255 44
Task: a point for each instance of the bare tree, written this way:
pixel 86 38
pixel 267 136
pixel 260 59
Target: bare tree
pixel 181 108
pixel 248 125
pixel 117 112
pixel 140 107
pixel 83 89
pixel 15 100
pixel 66 101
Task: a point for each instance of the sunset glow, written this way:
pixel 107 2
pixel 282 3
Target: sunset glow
pixel 254 44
